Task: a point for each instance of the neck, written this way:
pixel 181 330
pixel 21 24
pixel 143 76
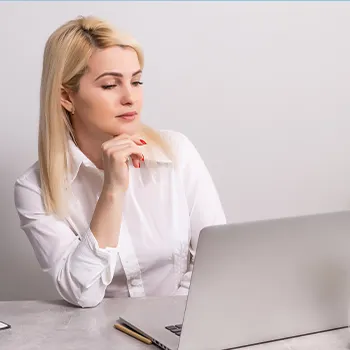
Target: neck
pixel 91 147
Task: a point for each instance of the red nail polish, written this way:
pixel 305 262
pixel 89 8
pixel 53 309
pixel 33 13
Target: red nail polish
pixel 143 142
pixel 143 158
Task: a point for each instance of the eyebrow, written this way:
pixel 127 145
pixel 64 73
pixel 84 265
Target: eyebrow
pixel 116 74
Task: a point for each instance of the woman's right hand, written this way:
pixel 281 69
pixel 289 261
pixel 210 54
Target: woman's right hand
pixel 115 153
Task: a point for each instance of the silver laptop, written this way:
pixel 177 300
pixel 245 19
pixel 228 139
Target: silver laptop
pixel 256 282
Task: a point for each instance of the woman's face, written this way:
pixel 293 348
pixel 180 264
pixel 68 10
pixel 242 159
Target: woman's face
pixel 110 96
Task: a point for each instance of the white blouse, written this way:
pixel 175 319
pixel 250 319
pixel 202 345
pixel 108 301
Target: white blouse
pixel 167 204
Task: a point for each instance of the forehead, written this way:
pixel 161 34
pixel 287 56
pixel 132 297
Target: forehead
pixel 114 59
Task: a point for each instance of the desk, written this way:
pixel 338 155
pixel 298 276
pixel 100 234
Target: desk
pixel 40 325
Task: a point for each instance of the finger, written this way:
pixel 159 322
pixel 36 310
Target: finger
pixel 125 143
pixel 135 137
pixel 137 158
pixel 113 151
pixel 127 146
pixel 122 141
pixel 135 155
pixel 138 139
pixel 137 161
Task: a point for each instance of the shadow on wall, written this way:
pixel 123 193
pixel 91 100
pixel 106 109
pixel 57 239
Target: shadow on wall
pixel 20 275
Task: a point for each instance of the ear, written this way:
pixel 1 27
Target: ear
pixel 66 101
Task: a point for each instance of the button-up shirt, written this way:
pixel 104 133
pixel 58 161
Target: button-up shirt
pixel 168 201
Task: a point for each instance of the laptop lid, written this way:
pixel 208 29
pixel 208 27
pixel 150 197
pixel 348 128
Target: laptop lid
pixel 267 280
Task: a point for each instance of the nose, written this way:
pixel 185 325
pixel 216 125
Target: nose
pixel 127 97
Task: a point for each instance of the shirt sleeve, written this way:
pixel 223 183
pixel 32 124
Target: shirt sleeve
pixel 205 208
pixel 80 269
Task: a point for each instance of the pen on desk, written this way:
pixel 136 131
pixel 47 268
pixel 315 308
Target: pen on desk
pixel 132 333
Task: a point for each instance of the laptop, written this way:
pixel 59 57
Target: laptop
pixel 256 282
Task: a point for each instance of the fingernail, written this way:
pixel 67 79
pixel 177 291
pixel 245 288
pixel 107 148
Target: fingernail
pixel 143 158
pixel 143 142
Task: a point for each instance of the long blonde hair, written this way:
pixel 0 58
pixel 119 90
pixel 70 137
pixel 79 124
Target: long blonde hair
pixel 66 56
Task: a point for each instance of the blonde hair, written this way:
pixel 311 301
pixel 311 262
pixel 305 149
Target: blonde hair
pixel 65 61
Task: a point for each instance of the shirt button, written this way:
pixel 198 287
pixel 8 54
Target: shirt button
pixel 135 282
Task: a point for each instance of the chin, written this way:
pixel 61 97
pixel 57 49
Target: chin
pixel 128 128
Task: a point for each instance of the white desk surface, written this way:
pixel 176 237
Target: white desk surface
pixel 48 325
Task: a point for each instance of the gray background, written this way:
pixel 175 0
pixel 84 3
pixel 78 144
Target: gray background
pixel 260 88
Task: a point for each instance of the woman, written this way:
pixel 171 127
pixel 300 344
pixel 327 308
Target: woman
pixel 112 208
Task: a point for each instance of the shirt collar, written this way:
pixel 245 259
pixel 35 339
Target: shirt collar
pixel 154 156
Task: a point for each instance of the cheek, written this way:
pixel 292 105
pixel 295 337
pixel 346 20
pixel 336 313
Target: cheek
pixel 96 103
pixel 139 98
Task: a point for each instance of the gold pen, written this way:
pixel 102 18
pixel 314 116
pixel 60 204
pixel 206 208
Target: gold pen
pixel 132 333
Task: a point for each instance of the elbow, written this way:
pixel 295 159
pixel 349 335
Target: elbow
pixel 74 295
pixel 87 299
pixel 77 287
pixel 88 303
pixel 81 302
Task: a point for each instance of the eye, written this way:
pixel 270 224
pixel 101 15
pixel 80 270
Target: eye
pixel 108 87
pixel 137 83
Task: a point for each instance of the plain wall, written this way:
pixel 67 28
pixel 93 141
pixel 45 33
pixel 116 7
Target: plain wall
pixel 261 88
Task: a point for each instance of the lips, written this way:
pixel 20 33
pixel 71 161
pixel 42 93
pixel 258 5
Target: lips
pixel 127 115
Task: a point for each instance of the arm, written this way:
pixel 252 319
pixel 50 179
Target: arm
pixel 81 270
pixel 204 204
pixel 106 221
pixel 82 265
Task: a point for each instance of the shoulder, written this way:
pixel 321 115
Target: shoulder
pixel 27 194
pixel 180 144
pixel 175 138
pixel 29 179
pixel 172 136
